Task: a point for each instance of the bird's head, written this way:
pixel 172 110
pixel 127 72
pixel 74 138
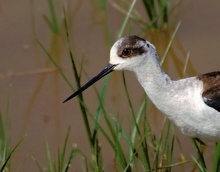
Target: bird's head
pixel 128 53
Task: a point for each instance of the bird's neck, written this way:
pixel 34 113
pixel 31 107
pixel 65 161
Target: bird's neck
pixel 155 82
pixel 150 74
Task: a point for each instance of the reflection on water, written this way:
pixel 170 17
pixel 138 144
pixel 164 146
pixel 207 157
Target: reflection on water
pixel 37 89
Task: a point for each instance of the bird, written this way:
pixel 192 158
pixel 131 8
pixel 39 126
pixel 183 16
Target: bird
pixel 192 104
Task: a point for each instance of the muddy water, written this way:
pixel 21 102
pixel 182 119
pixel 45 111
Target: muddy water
pixel 37 90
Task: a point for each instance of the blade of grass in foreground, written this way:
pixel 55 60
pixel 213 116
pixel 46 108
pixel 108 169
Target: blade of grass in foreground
pixel 71 156
pixel 115 134
pixel 173 165
pixel 120 155
pixel 202 163
pixel 169 44
pixel 126 19
pixel 53 23
pixel 77 79
pixel 61 156
pixel 63 152
pixel 200 166
pixel 6 152
pixel 135 133
pixel 116 146
pixel 151 11
pixel 55 64
pixel 217 158
pixel 4 139
pixel 49 159
pixel 100 105
pixel 9 156
pixel 4 129
pixel 61 165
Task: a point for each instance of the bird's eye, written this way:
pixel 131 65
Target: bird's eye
pixel 126 52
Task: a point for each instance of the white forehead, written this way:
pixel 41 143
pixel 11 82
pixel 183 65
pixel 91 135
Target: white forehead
pixel 114 58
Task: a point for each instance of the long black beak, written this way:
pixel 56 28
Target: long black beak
pixel 108 69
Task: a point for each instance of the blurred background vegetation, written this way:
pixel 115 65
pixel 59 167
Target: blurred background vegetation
pixel 50 48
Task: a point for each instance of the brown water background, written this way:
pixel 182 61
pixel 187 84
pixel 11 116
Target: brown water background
pixel 37 90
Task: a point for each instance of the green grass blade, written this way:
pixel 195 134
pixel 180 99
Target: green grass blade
pixel 138 118
pixel 4 127
pixel 71 157
pixel 38 165
pixel 77 79
pixel 136 130
pixel 102 5
pixel 186 64
pixel 55 64
pixel 63 152
pixel 200 166
pixel 129 101
pixel 174 165
pixel 49 159
pixel 106 117
pixel 4 140
pixel 121 159
pixel 217 159
pixel 200 154
pixel 158 145
pixel 151 11
pixel 53 23
pixel 169 44
pixel 144 145
pixel 126 19
pixel 164 10
pixel 105 134
pixel 10 154
pixel 100 105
